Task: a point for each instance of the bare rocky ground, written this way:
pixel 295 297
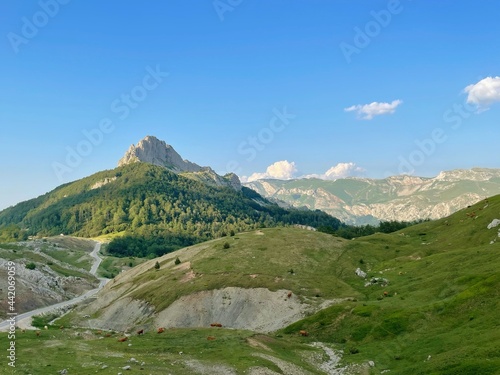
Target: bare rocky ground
pixel 41 286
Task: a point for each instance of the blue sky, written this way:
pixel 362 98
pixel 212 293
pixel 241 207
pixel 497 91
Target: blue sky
pixel 279 72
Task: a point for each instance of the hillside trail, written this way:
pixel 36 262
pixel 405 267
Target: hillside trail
pixel 24 320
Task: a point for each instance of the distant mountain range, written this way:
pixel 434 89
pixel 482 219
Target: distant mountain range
pixel 403 198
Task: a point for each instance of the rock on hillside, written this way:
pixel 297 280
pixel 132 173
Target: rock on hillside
pixel 42 286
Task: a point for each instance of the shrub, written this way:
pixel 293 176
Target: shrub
pixel 157 265
pixel 31 266
pixel 226 245
pixel 353 350
pixel 177 261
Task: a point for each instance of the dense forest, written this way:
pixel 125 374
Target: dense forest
pixel 351 231
pixel 146 201
pixel 157 211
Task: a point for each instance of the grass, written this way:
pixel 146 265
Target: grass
pixel 76 258
pixel 257 259
pixel 86 352
pixel 111 266
pixel 72 243
pixel 442 299
pixel 438 314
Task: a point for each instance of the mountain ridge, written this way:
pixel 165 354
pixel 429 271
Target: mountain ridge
pixel 153 151
pixel 360 201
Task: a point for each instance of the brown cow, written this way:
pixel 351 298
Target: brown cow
pixel 303 333
pixel 123 339
pixel 386 294
pixel 37 333
pixel 210 338
pixel 289 295
pixel 161 330
pixel 215 325
pixel 140 332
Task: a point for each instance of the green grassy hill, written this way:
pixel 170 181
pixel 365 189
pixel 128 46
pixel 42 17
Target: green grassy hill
pixel 439 314
pixel 428 305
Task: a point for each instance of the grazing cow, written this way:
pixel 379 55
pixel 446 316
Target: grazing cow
pixel 386 294
pixel 99 332
pixel 303 333
pixel 107 335
pixel 123 339
pixel 37 333
pixel 215 325
pixel 210 338
pixel 289 295
pixel 161 330
pixel 140 332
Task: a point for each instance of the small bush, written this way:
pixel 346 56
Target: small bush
pixel 31 266
pixel 157 265
pixel 232 233
pixel 226 245
pixel 177 261
pixel 353 350
pixel 361 261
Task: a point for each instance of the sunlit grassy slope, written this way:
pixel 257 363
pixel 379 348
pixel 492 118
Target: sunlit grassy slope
pixel 439 313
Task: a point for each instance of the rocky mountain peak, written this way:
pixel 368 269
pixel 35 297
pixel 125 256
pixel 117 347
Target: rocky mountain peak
pixel 154 151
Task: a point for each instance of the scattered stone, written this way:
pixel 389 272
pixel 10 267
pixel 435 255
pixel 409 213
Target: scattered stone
pixel 104 367
pixel 63 372
pixel 126 368
pixel 494 223
pixel 360 273
pixel 377 280
pixel 371 363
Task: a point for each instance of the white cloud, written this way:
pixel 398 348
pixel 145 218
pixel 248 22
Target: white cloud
pixel 368 111
pixel 341 170
pixel 285 170
pixel 282 170
pixel 484 93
